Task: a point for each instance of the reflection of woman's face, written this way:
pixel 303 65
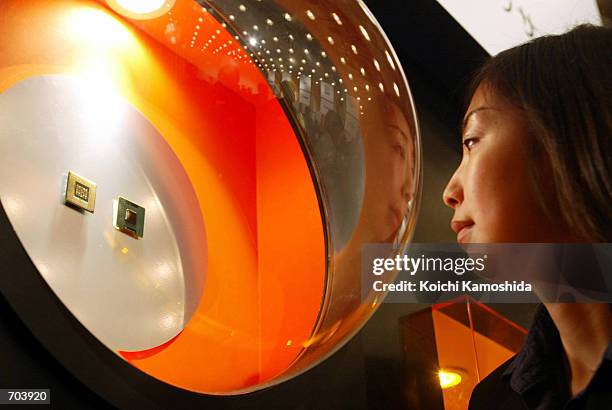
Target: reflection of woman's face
pixel 401 167
pixel 391 177
pixel 492 191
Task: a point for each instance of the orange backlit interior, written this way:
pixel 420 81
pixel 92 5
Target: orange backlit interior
pixel 266 266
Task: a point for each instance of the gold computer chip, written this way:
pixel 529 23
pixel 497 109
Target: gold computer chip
pixel 80 192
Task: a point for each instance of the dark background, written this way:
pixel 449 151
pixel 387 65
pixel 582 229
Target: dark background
pixel 438 57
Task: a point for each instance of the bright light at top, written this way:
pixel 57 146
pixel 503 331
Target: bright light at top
pixel 141 9
pixel 100 30
pixel 142 6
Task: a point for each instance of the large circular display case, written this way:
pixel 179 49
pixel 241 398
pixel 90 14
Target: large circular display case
pixel 265 141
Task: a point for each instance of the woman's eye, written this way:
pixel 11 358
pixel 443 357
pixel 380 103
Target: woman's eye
pixel 469 143
pixel 400 150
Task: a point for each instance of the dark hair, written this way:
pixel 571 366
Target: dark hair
pixel 564 86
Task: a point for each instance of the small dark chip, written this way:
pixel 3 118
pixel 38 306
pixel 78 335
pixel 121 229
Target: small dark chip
pixel 130 218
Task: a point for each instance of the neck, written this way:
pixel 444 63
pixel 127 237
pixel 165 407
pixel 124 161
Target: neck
pixel 586 331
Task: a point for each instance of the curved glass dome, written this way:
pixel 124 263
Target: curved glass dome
pixel 265 142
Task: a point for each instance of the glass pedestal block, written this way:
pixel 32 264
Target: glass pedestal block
pixel 449 348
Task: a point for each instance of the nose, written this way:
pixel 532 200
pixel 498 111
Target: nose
pixel 453 193
pixel 407 188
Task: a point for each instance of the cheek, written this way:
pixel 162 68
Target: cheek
pixel 502 201
pixel 398 174
pixel 391 175
pixel 487 198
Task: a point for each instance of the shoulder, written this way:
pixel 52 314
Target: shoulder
pixel 494 392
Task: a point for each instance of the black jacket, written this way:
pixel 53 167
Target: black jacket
pixel 538 377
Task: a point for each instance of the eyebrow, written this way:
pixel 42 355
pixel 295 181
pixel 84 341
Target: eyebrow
pixel 474 111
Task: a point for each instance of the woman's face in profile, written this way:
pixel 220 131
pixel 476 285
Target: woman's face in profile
pixel 391 175
pixel 493 190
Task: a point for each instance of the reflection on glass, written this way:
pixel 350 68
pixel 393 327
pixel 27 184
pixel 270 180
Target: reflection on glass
pixel 294 124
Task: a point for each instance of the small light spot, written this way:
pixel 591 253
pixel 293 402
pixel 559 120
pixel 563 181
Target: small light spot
pixel 390 60
pixel 364 32
pixel 448 378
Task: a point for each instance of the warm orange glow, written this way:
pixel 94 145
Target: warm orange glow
pixel 462 350
pixel 448 378
pixel 266 250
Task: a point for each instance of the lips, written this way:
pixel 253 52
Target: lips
pixel 462 228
